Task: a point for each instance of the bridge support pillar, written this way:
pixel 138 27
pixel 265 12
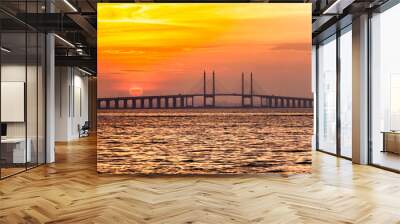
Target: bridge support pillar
pixel 116 104
pixel 182 101
pixel 109 104
pixel 186 101
pixel 166 99
pixel 150 102
pixel 158 104
pixel 213 100
pixel 125 103
pixel 141 103
pixel 133 106
pixel 190 101
pixel 174 102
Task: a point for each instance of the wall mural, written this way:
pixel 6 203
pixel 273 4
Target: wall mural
pixel 204 88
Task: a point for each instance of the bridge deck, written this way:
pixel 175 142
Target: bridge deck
pixel 188 101
pixel 202 95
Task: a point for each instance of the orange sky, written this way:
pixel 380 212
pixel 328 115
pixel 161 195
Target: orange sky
pixel 153 49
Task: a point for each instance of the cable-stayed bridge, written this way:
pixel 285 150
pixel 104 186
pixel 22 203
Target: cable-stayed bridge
pixel 205 99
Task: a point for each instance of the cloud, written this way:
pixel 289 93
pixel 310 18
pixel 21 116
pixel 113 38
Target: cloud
pixel 133 70
pixel 109 73
pixel 118 52
pixel 291 47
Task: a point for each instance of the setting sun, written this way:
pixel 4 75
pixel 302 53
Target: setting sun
pixel 135 91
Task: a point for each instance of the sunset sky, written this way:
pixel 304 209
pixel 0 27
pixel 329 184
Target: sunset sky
pixel 153 49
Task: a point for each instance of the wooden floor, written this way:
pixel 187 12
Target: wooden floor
pixel 70 191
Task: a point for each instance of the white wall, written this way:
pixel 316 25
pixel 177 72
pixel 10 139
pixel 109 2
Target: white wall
pixel 12 73
pixel 80 112
pixel 33 126
pixel 71 102
pixel 62 82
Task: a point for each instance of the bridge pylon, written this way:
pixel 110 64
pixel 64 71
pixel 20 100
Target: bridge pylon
pixel 206 95
pixel 247 95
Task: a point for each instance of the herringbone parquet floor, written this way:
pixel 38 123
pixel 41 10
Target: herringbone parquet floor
pixel 70 191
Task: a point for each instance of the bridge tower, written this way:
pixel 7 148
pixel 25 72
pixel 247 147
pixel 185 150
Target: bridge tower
pixel 250 95
pixel 205 94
